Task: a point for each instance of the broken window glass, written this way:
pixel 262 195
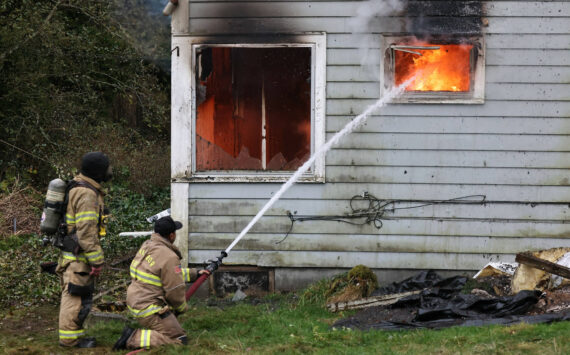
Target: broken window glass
pixel 253 108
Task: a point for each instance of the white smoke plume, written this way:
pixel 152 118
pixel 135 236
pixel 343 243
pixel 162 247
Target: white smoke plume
pixel 362 25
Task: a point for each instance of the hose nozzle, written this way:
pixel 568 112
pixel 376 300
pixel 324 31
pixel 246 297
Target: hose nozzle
pixel 215 264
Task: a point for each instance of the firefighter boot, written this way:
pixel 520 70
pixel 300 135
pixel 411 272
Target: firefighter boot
pixel 122 342
pixel 88 342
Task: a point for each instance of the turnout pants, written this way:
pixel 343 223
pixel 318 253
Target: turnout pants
pixel 158 329
pixel 76 301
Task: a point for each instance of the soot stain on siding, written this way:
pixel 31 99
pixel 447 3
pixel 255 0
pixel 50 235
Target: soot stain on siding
pixel 249 19
pixel 425 18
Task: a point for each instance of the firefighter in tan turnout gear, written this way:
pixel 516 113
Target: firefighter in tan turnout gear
pixel 79 268
pixel 156 294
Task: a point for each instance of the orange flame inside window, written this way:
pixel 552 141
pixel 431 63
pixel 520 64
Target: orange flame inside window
pixel 443 69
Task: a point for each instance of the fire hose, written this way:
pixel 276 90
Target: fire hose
pixel 213 266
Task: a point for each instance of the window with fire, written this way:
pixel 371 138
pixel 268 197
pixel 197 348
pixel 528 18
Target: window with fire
pixel 442 70
pixel 255 111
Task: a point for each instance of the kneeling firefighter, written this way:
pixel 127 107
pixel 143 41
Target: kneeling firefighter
pixel 156 294
pixel 82 259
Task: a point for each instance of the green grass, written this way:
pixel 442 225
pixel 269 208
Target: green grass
pixel 279 324
pixel 291 328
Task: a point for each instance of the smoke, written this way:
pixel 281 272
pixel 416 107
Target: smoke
pixel 368 13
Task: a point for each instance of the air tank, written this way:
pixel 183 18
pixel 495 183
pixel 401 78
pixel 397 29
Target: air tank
pixel 51 215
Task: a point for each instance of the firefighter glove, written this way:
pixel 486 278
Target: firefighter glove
pixel 95 270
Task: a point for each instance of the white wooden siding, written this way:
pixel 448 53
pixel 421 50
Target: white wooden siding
pixel 514 149
pixel 380 243
pixel 497 91
pixel 445 210
pixel 522 194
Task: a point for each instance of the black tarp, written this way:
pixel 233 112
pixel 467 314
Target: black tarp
pixel 441 304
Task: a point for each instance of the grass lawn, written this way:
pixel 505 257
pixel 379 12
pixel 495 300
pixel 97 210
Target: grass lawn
pixel 284 324
pixel 280 323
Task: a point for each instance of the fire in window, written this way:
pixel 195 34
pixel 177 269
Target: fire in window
pixel 440 70
pixel 253 108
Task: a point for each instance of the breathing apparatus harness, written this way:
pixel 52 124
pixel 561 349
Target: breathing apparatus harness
pixel 54 212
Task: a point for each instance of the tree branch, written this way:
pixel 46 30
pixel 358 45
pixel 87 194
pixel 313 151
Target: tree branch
pixel 33 35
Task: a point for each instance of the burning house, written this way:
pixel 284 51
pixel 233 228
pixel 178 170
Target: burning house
pixel 470 164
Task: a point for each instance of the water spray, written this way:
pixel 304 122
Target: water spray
pixel 351 126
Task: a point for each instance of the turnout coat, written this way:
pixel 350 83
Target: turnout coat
pixel 158 280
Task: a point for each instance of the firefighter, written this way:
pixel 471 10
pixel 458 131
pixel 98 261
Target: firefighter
pixel 79 268
pixel 156 294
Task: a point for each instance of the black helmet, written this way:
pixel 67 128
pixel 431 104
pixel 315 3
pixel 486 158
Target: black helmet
pixel 96 166
pixel 166 225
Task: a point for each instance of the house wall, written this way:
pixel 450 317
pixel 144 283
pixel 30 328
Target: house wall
pixel 514 149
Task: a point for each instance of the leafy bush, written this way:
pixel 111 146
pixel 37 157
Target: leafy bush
pixel 73 79
pixel 79 76
pixel 129 211
pixel 22 283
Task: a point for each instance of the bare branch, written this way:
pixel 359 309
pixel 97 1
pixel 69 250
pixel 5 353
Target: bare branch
pixel 33 35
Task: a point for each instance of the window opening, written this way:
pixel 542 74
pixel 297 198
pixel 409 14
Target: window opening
pixel 253 108
pixel 436 68
pixel 443 70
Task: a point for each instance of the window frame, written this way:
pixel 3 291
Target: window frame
pixel 475 96
pixel 317 43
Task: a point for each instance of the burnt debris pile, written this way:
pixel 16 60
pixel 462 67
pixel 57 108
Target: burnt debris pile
pixel 427 300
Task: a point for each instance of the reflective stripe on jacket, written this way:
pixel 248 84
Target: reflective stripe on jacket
pixel 158 278
pixel 84 210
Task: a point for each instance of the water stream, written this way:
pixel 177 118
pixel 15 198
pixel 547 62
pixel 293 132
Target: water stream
pixel 351 126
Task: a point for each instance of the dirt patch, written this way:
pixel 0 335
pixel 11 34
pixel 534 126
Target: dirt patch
pixel 26 321
pixel 34 330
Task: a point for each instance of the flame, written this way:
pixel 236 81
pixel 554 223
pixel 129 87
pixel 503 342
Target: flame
pixel 443 69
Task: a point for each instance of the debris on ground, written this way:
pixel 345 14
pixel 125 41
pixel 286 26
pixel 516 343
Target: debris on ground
pixel 442 304
pixel 239 296
pixel 369 301
pixel 499 285
pixel 498 294
pixel 496 269
pixel 542 269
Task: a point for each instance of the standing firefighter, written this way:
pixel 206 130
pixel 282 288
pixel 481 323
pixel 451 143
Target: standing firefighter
pixel 157 292
pixel 79 268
